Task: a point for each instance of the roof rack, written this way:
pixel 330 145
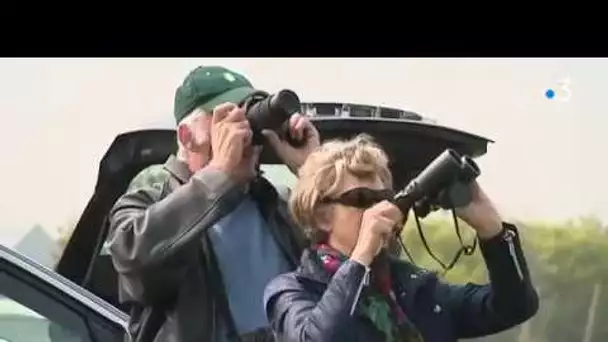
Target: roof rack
pixel 353 110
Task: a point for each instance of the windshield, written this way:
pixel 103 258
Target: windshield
pixel 546 170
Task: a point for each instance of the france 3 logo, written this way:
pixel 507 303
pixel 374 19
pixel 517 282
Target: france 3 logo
pixel 560 91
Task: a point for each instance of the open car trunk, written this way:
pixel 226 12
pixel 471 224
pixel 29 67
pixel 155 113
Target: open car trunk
pixel 411 145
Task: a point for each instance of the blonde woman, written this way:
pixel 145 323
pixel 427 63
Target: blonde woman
pixel 343 291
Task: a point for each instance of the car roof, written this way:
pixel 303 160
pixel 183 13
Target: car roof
pixel 64 285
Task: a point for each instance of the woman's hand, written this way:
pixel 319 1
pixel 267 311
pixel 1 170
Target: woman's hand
pixel 377 225
pixel 481 214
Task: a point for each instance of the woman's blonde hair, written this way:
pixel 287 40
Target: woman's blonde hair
pixel 322 174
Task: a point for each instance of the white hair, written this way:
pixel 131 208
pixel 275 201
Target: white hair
pixel 188 121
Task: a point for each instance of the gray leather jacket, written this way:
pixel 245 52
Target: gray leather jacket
pixel 167 271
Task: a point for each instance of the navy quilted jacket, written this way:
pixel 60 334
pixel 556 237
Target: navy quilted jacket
pixel 308 305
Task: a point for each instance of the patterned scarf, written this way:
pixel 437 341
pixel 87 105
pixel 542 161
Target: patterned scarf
pixel 378 302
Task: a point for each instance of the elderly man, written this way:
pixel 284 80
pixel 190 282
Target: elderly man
pixel 194 255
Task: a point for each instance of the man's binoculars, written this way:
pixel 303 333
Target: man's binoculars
pixel 271 111
pixel 443 183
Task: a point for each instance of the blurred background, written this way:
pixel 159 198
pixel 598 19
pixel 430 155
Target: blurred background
pixel 545 170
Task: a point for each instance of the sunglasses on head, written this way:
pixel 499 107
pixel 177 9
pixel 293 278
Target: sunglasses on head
pixel 361 198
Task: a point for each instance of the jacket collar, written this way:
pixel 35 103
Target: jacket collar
pixel 311 268
pixel 267 199
pixel 407 276
pixel 178 169
pixel 260 188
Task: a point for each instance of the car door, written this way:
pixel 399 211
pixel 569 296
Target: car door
pixel 38 305
pixel 411 142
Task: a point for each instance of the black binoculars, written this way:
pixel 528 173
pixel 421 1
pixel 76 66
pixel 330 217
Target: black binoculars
pixel 266 111
pixel 443 183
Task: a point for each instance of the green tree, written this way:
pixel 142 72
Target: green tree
pixel 566 261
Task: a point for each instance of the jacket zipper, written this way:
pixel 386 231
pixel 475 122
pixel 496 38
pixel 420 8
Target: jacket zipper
pixel 509 238
pixel 364 282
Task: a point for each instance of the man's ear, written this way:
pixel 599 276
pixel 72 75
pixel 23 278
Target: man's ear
pixel 185 136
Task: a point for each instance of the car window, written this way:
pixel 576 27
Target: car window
pixel 19 323
pixel 33 308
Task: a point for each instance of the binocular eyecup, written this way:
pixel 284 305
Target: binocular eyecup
pixel 265 111
pixel 443 183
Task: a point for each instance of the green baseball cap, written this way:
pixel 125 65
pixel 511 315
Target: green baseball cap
pixel 208 86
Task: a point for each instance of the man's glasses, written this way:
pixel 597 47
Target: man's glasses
pixel 361 198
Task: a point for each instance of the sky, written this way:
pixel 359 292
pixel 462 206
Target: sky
pixel 548 160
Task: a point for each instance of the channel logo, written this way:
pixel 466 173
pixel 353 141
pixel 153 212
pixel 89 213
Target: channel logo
pixel 560 91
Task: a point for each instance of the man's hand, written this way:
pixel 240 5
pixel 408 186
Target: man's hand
pixel 300 129
pixel 230 135
pixel 481 214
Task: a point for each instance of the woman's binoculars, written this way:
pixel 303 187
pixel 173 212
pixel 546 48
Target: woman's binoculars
pixel 443 183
